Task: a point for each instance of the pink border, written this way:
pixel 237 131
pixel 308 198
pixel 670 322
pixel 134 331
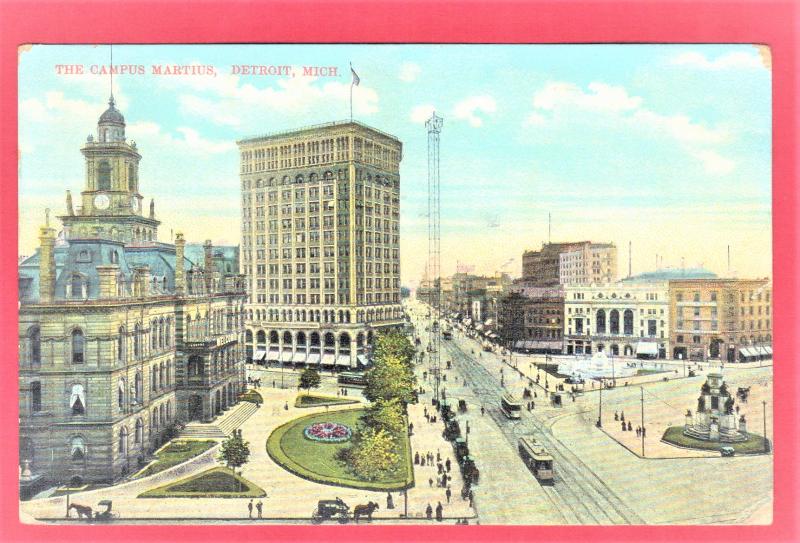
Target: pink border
pixel 149 21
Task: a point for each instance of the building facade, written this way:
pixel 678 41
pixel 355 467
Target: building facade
pixel 570 263
pixel 620 319
pixel 723 319
pixel 120 335
pixel 320 242
pixel 531 319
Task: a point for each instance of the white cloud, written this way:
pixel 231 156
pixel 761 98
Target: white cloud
pixel 714 163
pixel 680 127
pixel 602 97
pixel 409 71
pixel 422 113
pixel 468 109
pixel 729 61
pixel 187 139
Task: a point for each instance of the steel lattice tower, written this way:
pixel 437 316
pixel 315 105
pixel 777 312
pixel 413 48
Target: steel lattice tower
pixel 434 126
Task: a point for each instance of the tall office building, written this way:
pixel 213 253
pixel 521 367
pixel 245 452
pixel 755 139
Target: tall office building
pixel 320 242
pixel 573 263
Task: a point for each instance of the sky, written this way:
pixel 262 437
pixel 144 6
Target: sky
pixel 665 147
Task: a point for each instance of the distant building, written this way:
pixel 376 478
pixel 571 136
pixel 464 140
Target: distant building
pixel 721 319
pixel 571 263
pixel 620 319
pixel 531 319
pixel 120 335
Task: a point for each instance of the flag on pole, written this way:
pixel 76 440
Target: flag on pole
pixel 356 79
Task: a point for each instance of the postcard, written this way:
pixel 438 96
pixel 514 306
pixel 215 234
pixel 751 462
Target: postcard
pixel 396 284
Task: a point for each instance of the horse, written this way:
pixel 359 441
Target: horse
pixel 364 510
pixel 82 510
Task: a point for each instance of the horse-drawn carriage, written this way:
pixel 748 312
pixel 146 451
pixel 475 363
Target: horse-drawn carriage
pixel 462 406
pixel 452 430
pixel 460 448
pixel 469 470
pixel 743 393
pixel 446 411
pixel 331 509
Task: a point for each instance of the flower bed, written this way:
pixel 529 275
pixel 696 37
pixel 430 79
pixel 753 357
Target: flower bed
pixel 328 432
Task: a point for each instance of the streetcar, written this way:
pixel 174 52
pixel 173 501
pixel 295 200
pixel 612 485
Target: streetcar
pixel 447 333
pixel 538 460
pixel 352 378
pixel 511 407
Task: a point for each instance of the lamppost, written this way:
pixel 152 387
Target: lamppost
pixel 599 423
pixel 766 441
pixel 643 430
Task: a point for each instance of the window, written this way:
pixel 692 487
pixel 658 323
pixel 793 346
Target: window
pixel 35 340
pixel 76 286
pixel 77 346
pixel 121 394
pixel 104 175
pixel 36 397
pixel 77 400
pixel 137 438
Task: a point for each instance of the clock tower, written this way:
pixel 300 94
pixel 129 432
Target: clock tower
pixel 111 205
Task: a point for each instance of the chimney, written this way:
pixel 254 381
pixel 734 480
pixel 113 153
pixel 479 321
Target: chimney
pixel 180 274
pixel 108 281
pixel 47 263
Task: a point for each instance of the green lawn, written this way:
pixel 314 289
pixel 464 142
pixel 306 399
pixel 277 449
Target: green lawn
pixel 216 482
pixel 251 396
pixel 674 435
pixel 315 400
pixel 316 461
pixel 174 453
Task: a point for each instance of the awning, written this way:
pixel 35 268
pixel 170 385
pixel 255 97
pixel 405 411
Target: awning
pixel 530 344
pixel 478 326
pixel 489 322
pixel 747 352
pixel 647 347
pixel 286 355
pixel 343 360
pixel 313 358
pixel 362 359
pixel 259 355
pixel 547 345
pixel 299 356
pixel 519 344
pixel 273 355
pixel 328 359
pixel 768 350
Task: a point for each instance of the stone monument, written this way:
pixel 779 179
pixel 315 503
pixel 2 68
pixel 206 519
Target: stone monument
pixel 715 419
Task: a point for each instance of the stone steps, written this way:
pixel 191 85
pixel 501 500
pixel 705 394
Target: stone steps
pixel 222 428
pixel 241 413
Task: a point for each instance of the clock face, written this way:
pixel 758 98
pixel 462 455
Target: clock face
pixel 101 201
pixel 134 203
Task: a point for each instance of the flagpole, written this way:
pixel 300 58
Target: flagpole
pixel 351 93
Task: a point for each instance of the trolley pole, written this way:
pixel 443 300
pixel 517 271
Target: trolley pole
pixel 643 430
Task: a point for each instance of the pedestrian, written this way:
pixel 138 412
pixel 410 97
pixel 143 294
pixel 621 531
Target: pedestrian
pixel 623 426
pixel 422 461
pixel 250 509
pixel 644 433
pixel 429 512
pixel 439 468
pixel 447 494
pixel 630 426
pixel 389 501
pixel 416 459
pixel 616 415
pixel 439 510
pixel 471 497
pixel 285 406
pixel 259 507
pixel 622 416
pixel 447 465
pixel 430 484
pixel 482 410
pixel 410 428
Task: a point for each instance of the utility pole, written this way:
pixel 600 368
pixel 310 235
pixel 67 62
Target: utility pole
pixel 643 430
pixel 599 423
pixel 766 441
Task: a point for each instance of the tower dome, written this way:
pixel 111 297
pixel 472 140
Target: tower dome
pixel 111 126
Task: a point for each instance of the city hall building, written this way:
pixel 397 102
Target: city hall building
pixel 120 335
pixel 320 243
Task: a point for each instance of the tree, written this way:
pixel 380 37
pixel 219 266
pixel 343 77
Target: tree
pixel 390 378
pixel 374 454
pixel 386 415
pixel 394 344
pixel 234 451
pixel 309 379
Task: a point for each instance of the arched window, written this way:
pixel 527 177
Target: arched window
pixel 121 344
pixel 601 321
pixel 35 341
pixel 137 384
pixel 77 400
pixel 36 397
pixel 137 338
pixel 131 178
pixel 121 394
pixel 154 335
pixel 77 448
pixel 123 441
pixel 168 333
pixel 113 254
pixel 614 322
pixel 628 322
pixel 104 175
pixel 78 346
pixel 137 438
